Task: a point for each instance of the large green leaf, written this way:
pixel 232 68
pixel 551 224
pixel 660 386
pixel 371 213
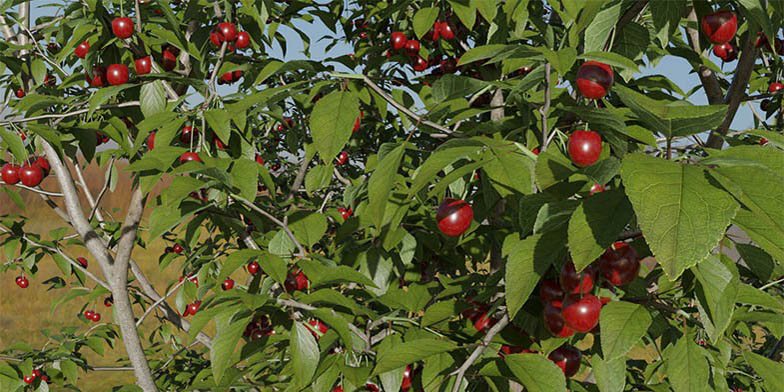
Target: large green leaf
pixel 772 372
pixel 380 185
pixel 751 295
pixel 682 215
pixel 398 355
pixel 219 121
pixel 244 175
pixel 622 324
pixel 152 98
pixel 536 372
pixel 424 19
pixel 308 228
pixel 228 334
pixel 762 232
pixel 14 143
pixel 331 123
pixel 304 354
pixel 105 94
pixel 718 290
pixel 610 375
pixel 687 368
pixel 453 86
pixel 446 154
pixel 510 171
pixel 597 33
pixel 595 224
pixel 552 167
pixel 527 262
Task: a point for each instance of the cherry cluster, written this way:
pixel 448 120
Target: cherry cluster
pixel 36 375
pixel 30 174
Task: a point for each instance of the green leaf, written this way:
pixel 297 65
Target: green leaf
pixel 219 121
pixel 552 167
pixel 561 60
pixel 439 312
pixel 511 171
pixel 237 259
pixel 399 355
pixel 244 174
pixel 610 375
pixel 304 354
pixel 717 292
pixel 70 371
pixel 445 155
pixel 756 11
pixel 318 177
pixel 622 324
pixel 452 86
pixel 334 321
pixel 762 232
pixel 527 262
pixel 666 18
pixel 152 98
pixel 487 8
pixel 465 10
pixel 228 334
pixel 682 215
pixel 320 274
pixel 597 33
pixel 483 52
pixel 751 295
pixel 595 224
pixel 772 372
pixel 380 185
pixel 757 260
pixel 536 372
pixel 104 94
pixel 308 228
pixel 687 368
pixel 610 58
pixel 424 19
pixel 331 123
pixel 14 143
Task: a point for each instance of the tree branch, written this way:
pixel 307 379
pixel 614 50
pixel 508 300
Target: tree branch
pixel 303 169
pixel 64 115
pixel 460 372
pixel 36 190
pixel 546 107
pixel 710 82
pixel 159 301
pixel 274 220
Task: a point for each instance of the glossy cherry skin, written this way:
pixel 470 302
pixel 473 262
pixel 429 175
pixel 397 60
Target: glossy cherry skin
pixel 620 266
pixel 189 156
pixel 187 134
pixel 81 50
pixel 398 40
pixel 727 52
pixel 88 314
pixel 22 282
pixel 108 301
pixel 549 291
pixel 317 325
pixel 574 283
pixel 259 159
pixel 445 30
pixel 484 322
pixel 20 93
pixel 720 27
pixel 117 74
pixel 43 163
pixel 10 173
pixel 122 27
pixel 454 217
pixel 253 267
pixel 582 313
pixel 227 284
pixel 243 40
pixel 435 33
pixel 296 281
pixel 420 64
pixel 96 317
pixel 82 261
pixel 177 248
pixel 345 213
pixel 406 384
pixel 594 79
pixel 31 175
pixel 342 158
pixel 169 58
pixel 194 308
pixel 412 47
pixel 775 87
pixel 143 65
pixel 29 379
pixel 596 188
pixel 227 31
pixel 99 77
pixel 151 140
pixel 555 323
pixel 567 358
pixel 585 147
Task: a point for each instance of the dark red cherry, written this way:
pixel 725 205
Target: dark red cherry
pixel 555 323
pixel 581 313
pixel 454 217
pixel 398 40
pixel 81 50
pixel 243 40
pixel 720 27
pixel 189 157
pixel 22 282
pixel 620 265
pixel 594 79
pixel 227 31
pixel 122 27
pixel 574 283
pixel 117 74
pixel 567 358
pixel 31 175
pixel 412 47
pixel 585 147
pixel 143 65
pixel 253 267
pixel 227 284
pixel 549 291
pixel 10 173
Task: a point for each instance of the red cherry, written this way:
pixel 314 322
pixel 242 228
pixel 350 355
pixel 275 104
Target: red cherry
pixel 10 173
pixel 484 322
pixel 227 284
pixel 596 188
pixel 371 388
pixel 187 134
pixel 555 323
pixel 454 217
pixel 763 141
pixel 31 175
pixel 412 47
pixel 342 158
pixel 585 147
pixel 619 266
pixel 296 281
pixel 189 156
pixel 549 291
pixel 446 31
pixel 177 248
pixel 214 38
pixel 81 50
pixel 720 27
pixel 574 283
pixel 22 282
pixel 762 41
pixel 420 64
pixel 357 123
pixel 243 40
pixel 775 87
pixel 36 373
pixel 253 267
pixel 227 31
pixel 151 140
pixel 143 65
pixel 122 27
pixel 82 261
pixel 434 33
pixel 317 325
pixel 117 74
pixel 345 213
pixel 108 301
pixel 28 379
pixel 727 52
pixel 88 314
pixel 169 58
pixel 43 163
pixel 406 385
pixel 20 93
pixel 567 358
pixel 594 79
pixel 99 77
pixel 194 307
pixel 218 143
pixel 337 389
pixel 398 40
pixel 96 317
pixel 259 159
pixel 582 313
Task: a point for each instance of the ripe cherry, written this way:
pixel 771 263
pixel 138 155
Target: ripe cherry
pixel 189 157
pixel 581 313
pixel 243 40
pixel 214 38
pixel 398 40
pixel 342 158
pixel 317 325
pixel 108 301
pixel 405 386
pixel 227 284
pixel 454 217
pixel 549 291
pixel 227 31
pixel 775 87
pixel 720 27
pixel 727 52
pixel 594 79
pixel 143 65
pixel 445 29
pixel 434 33
pixel 122 27
pixel 357 124
pixel 151 140
pixel 596 188
pixel 585 147
pixel 169 58
pixel 29 379
pixel 22 282
pixel 345 213
pixel 412 47
pixel 187 134
pixel 88 314
pixel 99 77
pixel 31 175
pixel 554 321
pixel 96 317
pixel 484 322
pixel 194 308
pixel 81 50
pixel 10 173
pixel 621 265
pixel 296 281
pixel 82 261
pixel 43 163
pixel 177 248
pixel 574 283
pixel 420 64
pixel 117 74
pixel 20 93
pixel 253 267
pixel 567 358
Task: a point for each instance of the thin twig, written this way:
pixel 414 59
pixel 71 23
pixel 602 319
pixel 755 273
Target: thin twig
pixel 340 177
pixel 107 180
pixel 546 108
pixel 36 190
pixel 69 114
pixel 274 220
pixel 303 169
pixel 460 372
pixel 158 302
